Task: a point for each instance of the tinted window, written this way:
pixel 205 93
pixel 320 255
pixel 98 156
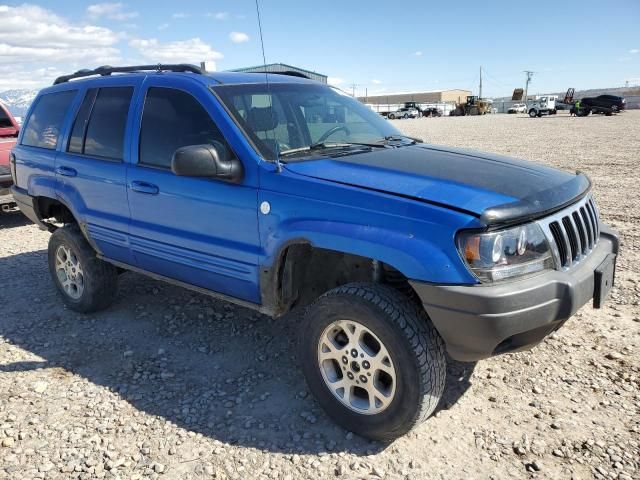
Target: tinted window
pixel 44 124
pixel 105 130
pixel 5 121
pixel 76 142
pixel 173 119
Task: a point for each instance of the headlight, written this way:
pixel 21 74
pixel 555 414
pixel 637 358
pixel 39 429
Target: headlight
pixel 504 254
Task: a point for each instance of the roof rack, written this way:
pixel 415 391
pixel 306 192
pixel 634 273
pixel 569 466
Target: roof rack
pixel 108 70
pixel 290 73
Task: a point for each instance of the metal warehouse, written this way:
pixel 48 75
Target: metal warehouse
pixel 284 68
pixel 435 96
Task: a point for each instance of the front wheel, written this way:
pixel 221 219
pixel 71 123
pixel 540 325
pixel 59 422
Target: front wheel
pixel 533 113
pixel 373 360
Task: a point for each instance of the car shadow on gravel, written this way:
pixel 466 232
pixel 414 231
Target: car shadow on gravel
pixel 207 366
pixel 13 219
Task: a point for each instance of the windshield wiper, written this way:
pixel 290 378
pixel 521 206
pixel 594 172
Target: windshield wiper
pixel 327 145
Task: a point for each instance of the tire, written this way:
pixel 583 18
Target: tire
pixel 533 113
pixel 405 336
pixel 96 281
pixel 391 116
pixel 405 116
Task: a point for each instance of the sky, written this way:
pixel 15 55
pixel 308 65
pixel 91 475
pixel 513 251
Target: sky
pixel 368 46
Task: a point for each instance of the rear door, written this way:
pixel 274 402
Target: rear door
pixel 91 168
pixel 200 231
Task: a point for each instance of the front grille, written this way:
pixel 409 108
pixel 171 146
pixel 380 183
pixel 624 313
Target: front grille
pixel 573 232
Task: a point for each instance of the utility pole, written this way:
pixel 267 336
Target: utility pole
pixel 353 89
pixel 526 87
pixel 480 92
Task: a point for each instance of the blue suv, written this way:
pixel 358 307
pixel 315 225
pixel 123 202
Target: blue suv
pixel 276 192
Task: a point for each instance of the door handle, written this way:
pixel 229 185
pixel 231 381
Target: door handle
pixel 144 187
pixel 66 171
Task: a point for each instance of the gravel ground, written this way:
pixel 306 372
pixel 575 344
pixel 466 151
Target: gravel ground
pixel 171 384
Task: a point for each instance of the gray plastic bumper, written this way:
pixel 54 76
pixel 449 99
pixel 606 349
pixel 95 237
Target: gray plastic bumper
pixel 25 204
pixel 478 321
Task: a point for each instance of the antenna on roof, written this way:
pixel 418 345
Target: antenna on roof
pixel 266 79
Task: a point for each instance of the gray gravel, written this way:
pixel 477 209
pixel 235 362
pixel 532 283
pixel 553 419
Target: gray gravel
pixel 171 384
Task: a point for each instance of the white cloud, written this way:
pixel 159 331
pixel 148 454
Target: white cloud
pixel 180 15
pixel 417 54
pixel 163 26
pixel 335 81
pixel 376 81
pixel 193 50
pixel 238 37
pixel 12 77
pixel 112 11
pixel 218 15
pixel 29 33
pixel 634 51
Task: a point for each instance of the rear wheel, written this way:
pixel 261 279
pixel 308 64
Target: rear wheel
pixel 391 116
pixel 373 360
pixel 533 113
pixel 86 283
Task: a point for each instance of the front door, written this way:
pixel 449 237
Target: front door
pixel 196 230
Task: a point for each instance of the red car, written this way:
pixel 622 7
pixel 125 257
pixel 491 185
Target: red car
pixel 9 130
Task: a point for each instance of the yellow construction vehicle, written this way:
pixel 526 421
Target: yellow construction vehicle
pixel 474 106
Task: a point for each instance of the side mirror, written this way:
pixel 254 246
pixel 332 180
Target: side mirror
pixel 211 160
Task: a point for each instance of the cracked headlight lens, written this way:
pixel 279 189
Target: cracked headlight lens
pixel 505 254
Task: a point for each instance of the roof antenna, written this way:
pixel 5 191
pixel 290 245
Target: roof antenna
pixel 266 79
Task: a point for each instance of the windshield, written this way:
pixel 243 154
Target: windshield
pixel 303 116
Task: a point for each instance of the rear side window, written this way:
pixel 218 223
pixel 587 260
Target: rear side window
pixel 5 121
pixel 172 119
pixel 100 125
pixel 45 122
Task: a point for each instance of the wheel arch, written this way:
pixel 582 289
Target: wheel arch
pixel 302 269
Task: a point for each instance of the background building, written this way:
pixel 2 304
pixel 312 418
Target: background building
pixel 436 96
pixel 284 68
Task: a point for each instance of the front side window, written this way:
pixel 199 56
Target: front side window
pixel 172 119
pixel 99 128
pixel 45 122
pixel 302 115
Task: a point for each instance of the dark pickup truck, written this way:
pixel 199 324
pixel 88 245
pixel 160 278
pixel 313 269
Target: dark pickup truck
pixel 607 104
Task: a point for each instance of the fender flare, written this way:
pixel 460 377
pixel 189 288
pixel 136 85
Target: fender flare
pixel 416 258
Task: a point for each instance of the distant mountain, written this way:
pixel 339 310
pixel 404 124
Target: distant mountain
pixel 18 100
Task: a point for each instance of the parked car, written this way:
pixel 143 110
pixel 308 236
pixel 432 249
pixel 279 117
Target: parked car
pixel 394 251
pixel 518 108
pixel 607 104
pixel 431 112
pixel 404 113
pixel 9 130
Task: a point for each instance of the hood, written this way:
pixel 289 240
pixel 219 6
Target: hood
pixel 494 188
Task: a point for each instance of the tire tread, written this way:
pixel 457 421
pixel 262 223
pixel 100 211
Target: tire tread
pixel 414 324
